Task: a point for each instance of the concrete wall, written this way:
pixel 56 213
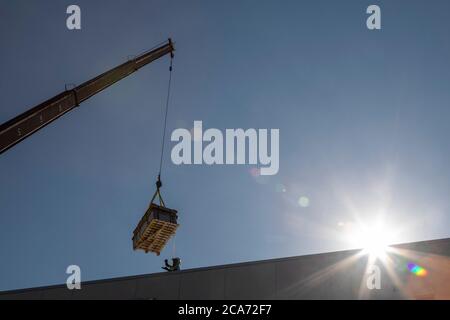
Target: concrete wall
pixel 336 275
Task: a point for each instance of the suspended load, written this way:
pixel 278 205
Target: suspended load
pixel 159 223
pixel 156 227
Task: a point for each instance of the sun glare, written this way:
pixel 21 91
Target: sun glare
pixel 374 239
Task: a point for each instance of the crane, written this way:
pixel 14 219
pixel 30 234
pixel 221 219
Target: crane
pixel 159 222
pixel 24 125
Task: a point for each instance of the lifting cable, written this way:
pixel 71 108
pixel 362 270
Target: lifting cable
pixel 158 182
pixel 165 116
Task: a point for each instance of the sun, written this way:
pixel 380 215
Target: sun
pixel 374 239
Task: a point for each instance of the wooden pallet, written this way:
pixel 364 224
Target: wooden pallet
pixel 155 229
pixel 156 236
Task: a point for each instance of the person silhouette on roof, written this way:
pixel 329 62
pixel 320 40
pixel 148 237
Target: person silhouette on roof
pixel 175 266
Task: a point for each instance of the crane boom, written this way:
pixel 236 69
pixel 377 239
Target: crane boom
pixel 27 123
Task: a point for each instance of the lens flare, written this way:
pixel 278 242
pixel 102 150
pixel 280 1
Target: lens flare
pixel 303 202
pixel 417 270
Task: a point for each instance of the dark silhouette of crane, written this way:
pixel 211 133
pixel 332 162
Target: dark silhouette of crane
pixel 24 125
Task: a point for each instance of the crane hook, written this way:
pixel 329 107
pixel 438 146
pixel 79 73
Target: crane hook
pixel 158 193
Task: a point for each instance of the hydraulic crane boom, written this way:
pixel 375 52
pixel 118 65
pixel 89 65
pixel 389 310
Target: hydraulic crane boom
pixel 27 123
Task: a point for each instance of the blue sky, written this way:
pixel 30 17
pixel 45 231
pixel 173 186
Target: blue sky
pixel 363 118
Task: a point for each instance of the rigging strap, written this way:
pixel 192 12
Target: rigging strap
pixel 158 193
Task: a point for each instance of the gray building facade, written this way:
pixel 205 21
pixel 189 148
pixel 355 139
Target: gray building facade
pixel 350 274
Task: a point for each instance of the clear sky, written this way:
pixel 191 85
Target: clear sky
pixel 363 118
